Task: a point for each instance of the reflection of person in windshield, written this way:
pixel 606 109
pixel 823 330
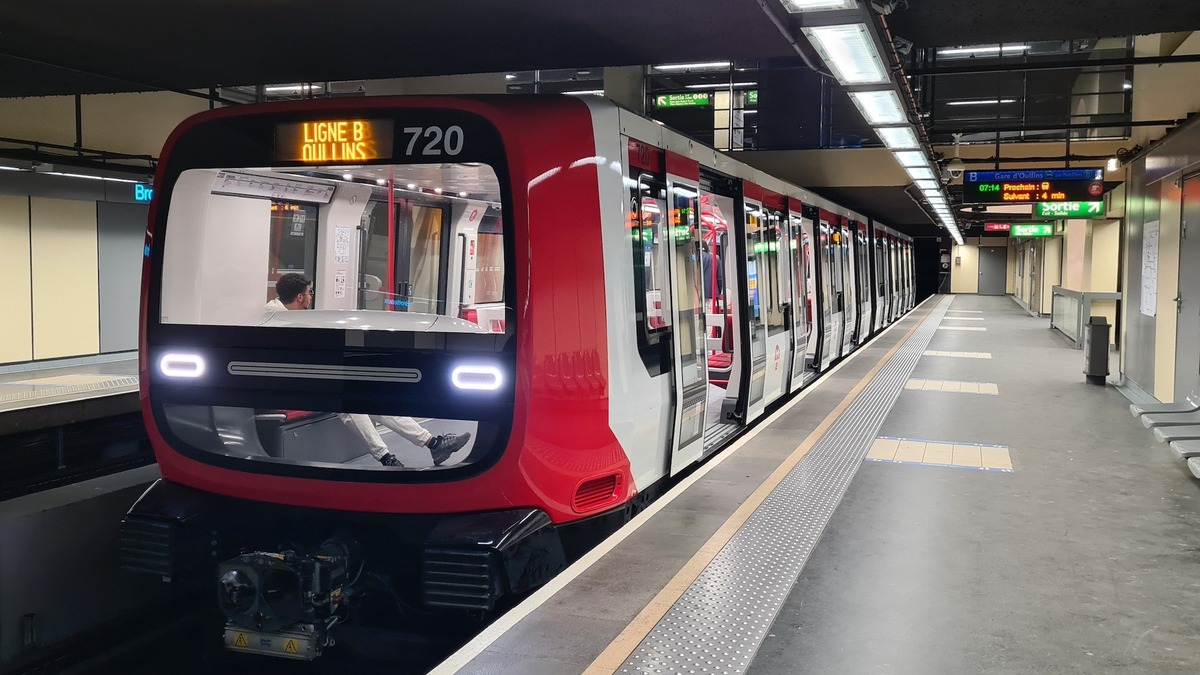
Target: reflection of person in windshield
pixel 294 291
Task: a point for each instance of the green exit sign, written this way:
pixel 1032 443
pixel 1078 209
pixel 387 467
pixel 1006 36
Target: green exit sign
pixel 1032 230
pixel 1070 210
pixel 689 99
pixel 752 97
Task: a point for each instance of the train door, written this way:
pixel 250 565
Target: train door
pixel 832 316
pixel 849 297
pixel 879 260
pixel 805 338
pixel 688 300
pixel 405 262
pixel 747 379
pixel 647 221
pixel 862 250
pixel 909 270
pixel 773 261
pixel 897 273
pixel 719 195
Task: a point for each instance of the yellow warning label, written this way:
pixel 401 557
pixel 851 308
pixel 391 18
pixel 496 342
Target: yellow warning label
pixel 241 641
pixel 290 647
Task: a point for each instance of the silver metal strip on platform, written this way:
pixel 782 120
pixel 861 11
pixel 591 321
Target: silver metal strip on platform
pixel 50 390
pixel 719 623
pixel 312 371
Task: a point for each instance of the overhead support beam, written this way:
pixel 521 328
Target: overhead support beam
pixel 1055 65
pixel 982 129
pixel 147 86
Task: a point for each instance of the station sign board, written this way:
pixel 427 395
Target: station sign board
pixel 1069 210
pixel 752 97
pixel 690 99
pixel 995 227
pixel 1032 230
pixel 1029 187
pixel 143 193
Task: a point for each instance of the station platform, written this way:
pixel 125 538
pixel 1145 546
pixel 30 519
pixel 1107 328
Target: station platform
pixel 77 391
pixel 953 498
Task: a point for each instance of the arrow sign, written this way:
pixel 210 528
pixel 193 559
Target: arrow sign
pixel 1070 210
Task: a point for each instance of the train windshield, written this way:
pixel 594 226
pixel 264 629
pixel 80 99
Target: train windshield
pixel 358 314
pixel 393 248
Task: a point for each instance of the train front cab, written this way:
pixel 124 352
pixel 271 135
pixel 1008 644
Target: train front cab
pixel 266 420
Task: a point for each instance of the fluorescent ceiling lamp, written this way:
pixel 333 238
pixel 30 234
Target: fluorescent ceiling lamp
pixel 920 173
pixel 927 184
pixel 707 65
pixel 87 176
pixel 722 85
pixel 984 101
pixel 849 52
pixel 911 158
pixel 879 107
pixel 994 49
pixel 898 138
pixel 585 92
pixel 801 6
pixel 292 88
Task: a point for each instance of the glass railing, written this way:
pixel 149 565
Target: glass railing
pixel 1069 311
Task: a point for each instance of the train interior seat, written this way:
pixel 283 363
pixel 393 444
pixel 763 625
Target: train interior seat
pixel 720 347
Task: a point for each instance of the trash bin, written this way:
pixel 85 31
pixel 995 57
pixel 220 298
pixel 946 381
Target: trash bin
pixel 1095 349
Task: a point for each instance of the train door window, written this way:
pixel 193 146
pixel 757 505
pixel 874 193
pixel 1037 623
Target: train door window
pixel 836 280
pixel 773 282
pixel 847 270
pixel 757 276
pixel 801 274
pixel 647 218
pixel 293 244
pixel 424 275
pixel 688 255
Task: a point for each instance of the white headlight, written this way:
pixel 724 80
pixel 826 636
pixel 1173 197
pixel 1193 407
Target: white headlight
pixel 181 365
pixel 486 378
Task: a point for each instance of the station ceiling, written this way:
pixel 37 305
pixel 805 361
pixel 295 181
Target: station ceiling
pixel 57 47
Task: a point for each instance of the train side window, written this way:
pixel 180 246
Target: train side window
pixel 646 220
pixel 774 289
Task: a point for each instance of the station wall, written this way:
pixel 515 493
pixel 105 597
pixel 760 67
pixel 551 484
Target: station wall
pixel 1154 219
pixel 70 269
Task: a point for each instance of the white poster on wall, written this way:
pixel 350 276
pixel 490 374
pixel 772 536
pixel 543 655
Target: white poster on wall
pixel 341 245
pixel 1150 268
pixel 339 284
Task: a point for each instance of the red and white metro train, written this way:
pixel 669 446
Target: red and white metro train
pixel 601 303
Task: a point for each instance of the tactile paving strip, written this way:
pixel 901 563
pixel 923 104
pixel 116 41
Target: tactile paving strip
pixel 720 621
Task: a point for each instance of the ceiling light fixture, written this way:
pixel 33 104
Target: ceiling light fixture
pixel 919 173
pixel 908 158
pixel 801 6
pixel 879 107
pixel 724 85
pixel 707 65
pixel 585 92
pixel 969 51
pixel 849 52
pixel 898 138
pixel 985 101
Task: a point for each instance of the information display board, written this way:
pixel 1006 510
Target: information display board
pixel 1028 187
pixel 995 227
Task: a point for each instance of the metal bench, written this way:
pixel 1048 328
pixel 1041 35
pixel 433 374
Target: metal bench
pixel 1155 420
pixel 1186 449
pixel 1171 434
pixel 1190 403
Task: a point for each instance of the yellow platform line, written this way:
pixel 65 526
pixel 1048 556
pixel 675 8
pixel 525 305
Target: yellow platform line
pixel 940 453
pixel 959 355
pixel 618 651
pixel 954 386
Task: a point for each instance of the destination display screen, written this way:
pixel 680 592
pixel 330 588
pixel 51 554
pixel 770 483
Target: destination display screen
pixel 1028 187
pixel 334 141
